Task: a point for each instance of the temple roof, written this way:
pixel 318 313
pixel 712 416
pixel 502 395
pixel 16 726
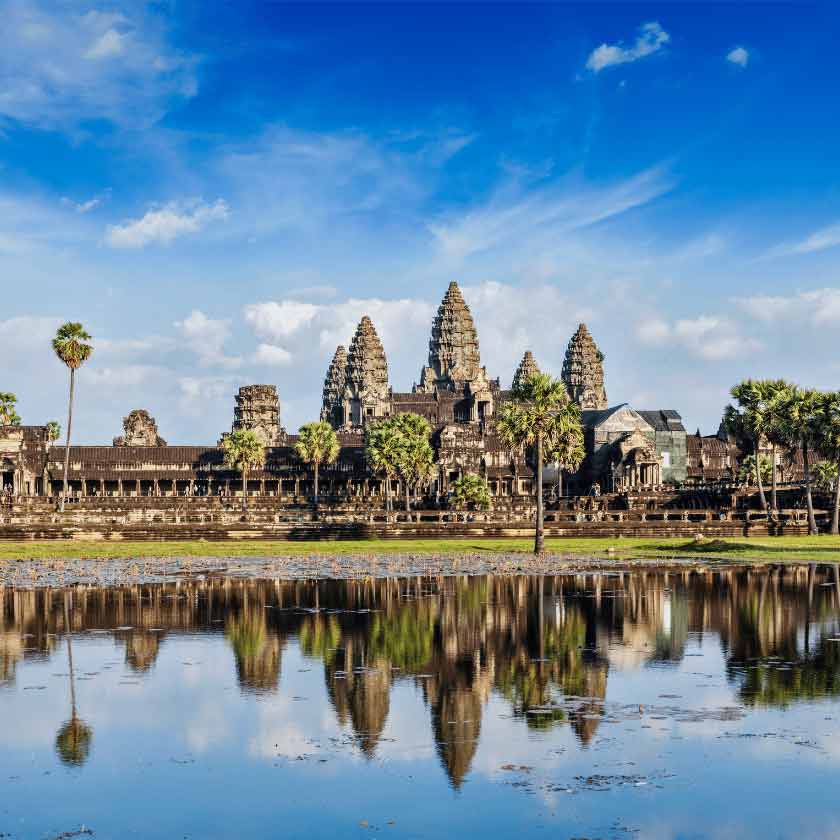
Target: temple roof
pixel 367 367
pixel 336 378
pixel 527 368
pixel 663 419
pixel 583 371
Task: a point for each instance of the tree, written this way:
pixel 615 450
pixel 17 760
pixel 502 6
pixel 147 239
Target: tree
pixel 827 472
pixel 243 451
pixel 72 743
pixel 317 444
pixel 540 415
pixel 8 415
pixel 803 425
pixel 752 417
pixel 776 392
pixel 53 431
pixel 469 491
pixel 747 471
pixel 415 456
pixel 382 450
pixel 71 346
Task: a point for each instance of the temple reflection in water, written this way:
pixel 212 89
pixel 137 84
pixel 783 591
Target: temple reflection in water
pixel 535 641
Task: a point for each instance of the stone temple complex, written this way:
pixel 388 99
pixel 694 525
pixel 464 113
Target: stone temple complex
pixel 626 448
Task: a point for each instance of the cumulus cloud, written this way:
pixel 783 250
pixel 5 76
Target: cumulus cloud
pixel 198 394
pixel 818 307
pixel 165 224
pixel 207 337
pixel 709 337
pixel 51 67
pixel 651 38
pixel 272 355
pixel 280 320
pixel 739 56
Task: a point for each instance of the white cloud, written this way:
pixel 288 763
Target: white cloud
pixel 83 207
pixel 651 38
pixel 708 337
pixel 827 237
pixel 207 337
pixel 165 224
pixel 818 307
pixel 123 376
pixel 107 45
pixel 280 320
pixel 272 355
pixel 51 66
pixel 739 56
pixel 198 393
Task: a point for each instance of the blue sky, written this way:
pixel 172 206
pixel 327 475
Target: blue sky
pixel 219 191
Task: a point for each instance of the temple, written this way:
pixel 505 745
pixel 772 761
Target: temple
pixel 627 448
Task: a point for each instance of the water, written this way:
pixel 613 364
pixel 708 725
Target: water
pixel 628 705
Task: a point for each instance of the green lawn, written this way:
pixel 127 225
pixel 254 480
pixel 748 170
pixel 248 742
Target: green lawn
pixel 822 548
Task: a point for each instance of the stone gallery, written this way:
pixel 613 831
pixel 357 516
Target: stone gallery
pixel 626 448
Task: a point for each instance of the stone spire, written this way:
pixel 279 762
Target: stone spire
pixel 583 371
pixel 453 348
pixel 139 429
pixel 334 383
pixel 367 367
pixel 258 409
pixel 527 368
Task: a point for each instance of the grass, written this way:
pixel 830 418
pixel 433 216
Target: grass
pixel 824 549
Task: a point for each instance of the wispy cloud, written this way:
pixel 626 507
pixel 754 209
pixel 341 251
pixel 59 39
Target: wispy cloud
pixel 739 56
pixel 165 224
pixel 819 240
pixel 818 307
pixel 651 38
pixel 710 337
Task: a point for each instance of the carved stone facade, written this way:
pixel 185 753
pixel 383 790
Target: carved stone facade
pixel 258 409
pixel 527 368
pixel 366 391
pixel 583 371
pixel 334 384
pixel 139 429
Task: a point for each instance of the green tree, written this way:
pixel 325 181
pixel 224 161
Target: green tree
pixel 826 472
pixel 751 417
pixel 747 471
pixel 71 345
pixel 317 444
pixel 53 431
pixel 469 491
pixel 383 440
pixel 243 451
pixel 8 414
pixel 804 426
pixel 416 458
pixel 540 415
pixel 776 392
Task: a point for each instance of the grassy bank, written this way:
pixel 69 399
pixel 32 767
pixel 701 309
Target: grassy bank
pixel 777 549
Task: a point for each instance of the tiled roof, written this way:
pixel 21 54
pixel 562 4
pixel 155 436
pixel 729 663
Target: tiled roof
pixel 663 419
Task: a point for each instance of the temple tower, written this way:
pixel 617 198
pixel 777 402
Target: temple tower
pixel 139 429
pixel 366 391
pixel 334 384
pixel 258 409
pixel 527 368
pixel 453 348
pixel 583 371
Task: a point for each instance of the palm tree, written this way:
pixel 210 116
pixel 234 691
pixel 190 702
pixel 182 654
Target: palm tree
pixel 776 392
pixel 71 346
pixel 415 462
pixel 72 743
pixel 317 444
pixel 470 490
pixel 53 431
pixel 382 450
pixel 540 415
pixel 8 415
pixel 802 424
pixel 830 447
pixel 243 450
pixel 752 401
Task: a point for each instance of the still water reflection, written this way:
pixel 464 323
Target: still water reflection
pixel 610 705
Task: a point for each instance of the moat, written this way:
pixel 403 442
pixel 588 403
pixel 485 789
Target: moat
pixel 641 703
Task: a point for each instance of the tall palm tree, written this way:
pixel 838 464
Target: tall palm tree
pixel 71 345
pixel 752 401
pixel 317 444
pixel 415 462
pixel 830 447
pixel 382 450
pixel 243 451
pixel 540 415
pixel 803 418
pixel 776 393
